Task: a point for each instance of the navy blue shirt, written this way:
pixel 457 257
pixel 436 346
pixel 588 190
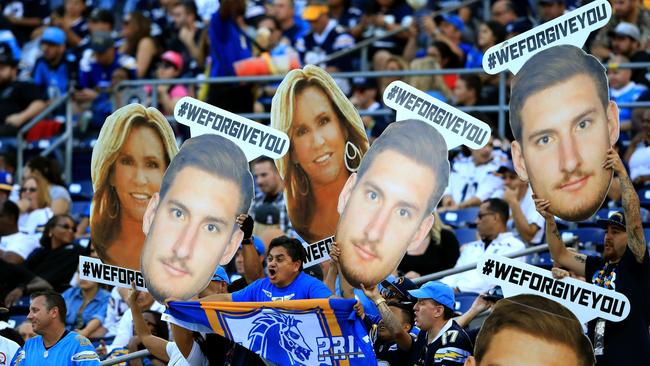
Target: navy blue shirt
pixel 451 347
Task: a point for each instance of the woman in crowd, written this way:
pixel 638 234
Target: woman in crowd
pixel 48 170
pixel 438 251
pixel 34 205
pixel 170 67
pixel 328 141
pixel 86 308
pixel 433 85
pixel 132 153
pixel 138 43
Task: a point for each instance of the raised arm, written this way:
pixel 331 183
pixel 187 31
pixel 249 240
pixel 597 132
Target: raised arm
pixel 156 345
pixel 402 338
pixel 631 206
pixel 560 254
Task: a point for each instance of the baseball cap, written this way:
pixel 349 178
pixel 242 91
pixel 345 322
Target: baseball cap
pixel 173 58
pixel 437 291
pixel 313 10
pixel 220 275
pixel 101 41
pixel 6 181
pixel 6 55
pixel 518 26
pixel 53 35
pixel 259 245
pixel 99 15
pixel 400 286
pixel 454 20
pixel 267 214
pixel 506 167
pixel 626 29
pixel 615 218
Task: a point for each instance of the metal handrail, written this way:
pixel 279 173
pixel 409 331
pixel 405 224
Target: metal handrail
pixel 438 275
pixel 128 357
pixel 20 143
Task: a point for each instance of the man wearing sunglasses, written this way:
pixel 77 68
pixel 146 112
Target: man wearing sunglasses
pixel 491 225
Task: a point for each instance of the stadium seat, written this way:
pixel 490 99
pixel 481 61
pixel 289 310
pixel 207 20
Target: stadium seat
pixel 587 236
pixel 644 197
pixel 79 209
pixel 460 218
pixel 465 235
pixel 81 190
pixel 464 301
pixel 543 260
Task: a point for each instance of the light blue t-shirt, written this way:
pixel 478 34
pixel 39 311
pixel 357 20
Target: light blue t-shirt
pixel 304 287
pixel 73 350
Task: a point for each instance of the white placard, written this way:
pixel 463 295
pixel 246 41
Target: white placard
pixel 318 252
pixel 92 269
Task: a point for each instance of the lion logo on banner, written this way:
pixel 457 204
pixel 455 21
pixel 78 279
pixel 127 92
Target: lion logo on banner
pixel 277 334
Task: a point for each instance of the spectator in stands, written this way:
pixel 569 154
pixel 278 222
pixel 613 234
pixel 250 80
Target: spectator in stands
pixel 385 343
pixel 138 43
pixel 531 330
pixel 86 305
pixel 34 205
pixel 637 154
pixel 126 172
pixel 48 170
pixel 551 9
pixel 15 247
pixel 22 17
pixel 96 69
pixel 490 33
pixel 622 89
pixel 6 183
pixel 491 224
pixel 365 97
pixel 284 12
pixel 323 39
pixel 154 326
pixel 100 20
pixel 433 85
pixel 72 20
pixel 20 101
pixel 170 67
pixel 338 145
pixel 56 69
pixel 117 306
pixel 47 313
pixel 468 90
pixel 391 63
pixel 473 181
pixel 250 257
pixel 286 280
pixel 624 267
pixel 503 12
pixel 188 39
pixel 382 16
pixel 271 197
pixel 50 267
pixel 629 11
pixel 525 222
pixel 125 327
pixel 436 252
pixel 346 16
pixel 626 41
pixel 26 330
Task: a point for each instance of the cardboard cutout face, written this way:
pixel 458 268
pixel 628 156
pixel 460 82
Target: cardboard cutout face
pixel 190 226
pixel 387 206
pixel 564 125
pixel 132 152
pixel 328 141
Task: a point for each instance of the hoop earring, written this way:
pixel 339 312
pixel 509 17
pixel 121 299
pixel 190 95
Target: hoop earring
pixel 302 180
pixel 114 198
pixel 356 153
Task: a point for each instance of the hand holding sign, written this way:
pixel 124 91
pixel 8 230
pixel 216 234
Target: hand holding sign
pixel 456 127
pixel 572 28
pixel 255 139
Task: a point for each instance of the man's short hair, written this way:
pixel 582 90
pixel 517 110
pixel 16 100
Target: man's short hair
pixel 472 82
pixel 500 207
pixel 294 248
pixel 53 299
pixel 538 317
pixel 263 159
pixel 9 208
pixel 548 68
pixel 214 155
pixel 418 141
pixel 190 7
pixel 406 308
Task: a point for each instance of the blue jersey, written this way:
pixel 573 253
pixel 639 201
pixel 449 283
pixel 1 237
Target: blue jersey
pixel 304 287
pixel 72 349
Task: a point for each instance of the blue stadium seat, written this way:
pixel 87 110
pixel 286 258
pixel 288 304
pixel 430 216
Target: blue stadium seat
pixel 460 218
pixel 81 190
pixel 543 260
pixel 464 301
pixel 588 236
pixel 465 235
pixel 644 197
pixel 79 209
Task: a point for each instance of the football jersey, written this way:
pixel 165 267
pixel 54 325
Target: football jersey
pixel 73 350
pixel 451 346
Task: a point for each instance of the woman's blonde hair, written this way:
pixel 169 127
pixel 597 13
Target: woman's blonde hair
pixel 43 194
pixel 428 82
pixel 435 234
pixel 105 214
pixel 300 204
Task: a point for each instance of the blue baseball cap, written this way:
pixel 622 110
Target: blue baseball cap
pixel 615 218
pixel 454 20
pixel 6 181
pixel 436 291
pixel 53 35
pixel 221 275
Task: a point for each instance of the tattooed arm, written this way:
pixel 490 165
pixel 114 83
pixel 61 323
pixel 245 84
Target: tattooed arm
pixel 631 206
pixel 402 337
pixel 560 254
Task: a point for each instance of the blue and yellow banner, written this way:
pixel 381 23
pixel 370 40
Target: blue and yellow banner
pixel 299 332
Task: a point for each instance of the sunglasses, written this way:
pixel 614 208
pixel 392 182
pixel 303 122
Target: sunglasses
pixel 31 190
pixel 481 215
pixel 167 65
pixel 66 227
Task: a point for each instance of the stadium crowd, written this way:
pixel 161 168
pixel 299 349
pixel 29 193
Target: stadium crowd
pixel 85 48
